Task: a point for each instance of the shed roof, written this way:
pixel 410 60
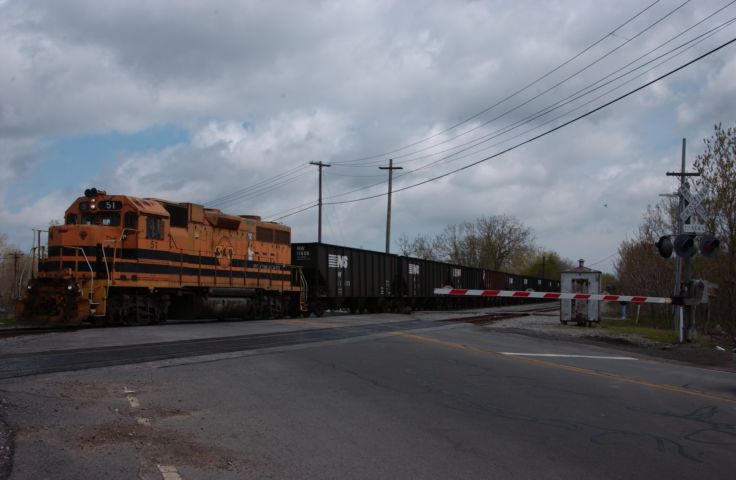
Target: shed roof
pixel 581 268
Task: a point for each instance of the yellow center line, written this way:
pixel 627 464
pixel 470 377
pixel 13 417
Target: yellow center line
pixel 570 368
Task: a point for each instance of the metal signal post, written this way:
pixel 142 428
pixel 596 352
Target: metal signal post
pixel 687 273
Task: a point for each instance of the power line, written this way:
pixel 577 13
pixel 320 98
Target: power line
pixel 573 97
pixel 476 142
pixel 549 89
pixel 259 187
pixel 510 96
pixel 264 186
pixel 552 130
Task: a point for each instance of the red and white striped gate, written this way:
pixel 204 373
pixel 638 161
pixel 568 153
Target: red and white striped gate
pixel 550 295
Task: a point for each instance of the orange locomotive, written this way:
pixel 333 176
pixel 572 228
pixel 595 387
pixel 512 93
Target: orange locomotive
pixel 127 260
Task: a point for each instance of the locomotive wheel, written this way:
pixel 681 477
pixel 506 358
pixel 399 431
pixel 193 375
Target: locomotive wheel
pixel 135 310
pixel 140 315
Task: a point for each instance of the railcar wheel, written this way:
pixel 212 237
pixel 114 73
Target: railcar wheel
pixel 318 309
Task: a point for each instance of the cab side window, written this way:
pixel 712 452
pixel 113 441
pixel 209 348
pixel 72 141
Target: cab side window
pixel 155 228
pixel 71 219
pixel 131 220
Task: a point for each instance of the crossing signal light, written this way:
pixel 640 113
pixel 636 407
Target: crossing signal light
pixel 685 245
pixel 709 245
pixel 664 246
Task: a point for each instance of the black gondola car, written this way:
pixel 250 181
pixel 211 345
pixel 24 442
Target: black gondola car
pixel 420 277
pixel 339 277
pixel 343 277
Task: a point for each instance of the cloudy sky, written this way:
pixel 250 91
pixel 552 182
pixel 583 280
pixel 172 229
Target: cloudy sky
pixel 226 102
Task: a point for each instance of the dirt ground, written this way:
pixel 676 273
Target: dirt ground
pixel 550 326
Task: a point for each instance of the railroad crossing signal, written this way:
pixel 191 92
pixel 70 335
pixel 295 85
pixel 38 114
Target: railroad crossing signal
pixel 664 246
pixel 694 200
pixel 685 245
pixel 709 245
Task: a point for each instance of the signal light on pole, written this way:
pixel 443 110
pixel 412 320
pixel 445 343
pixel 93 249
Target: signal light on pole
pixel 709 245
pixel 664 246
pixel 685 245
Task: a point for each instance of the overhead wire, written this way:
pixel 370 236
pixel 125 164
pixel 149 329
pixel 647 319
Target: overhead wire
pixel 259 186
pixel 367 187
pixel 510 96
pixel 547 90
pixel 265 186
pixel 234 196
pixel 571 98
pixel 544 134
pixel 497 133
pixel 579 94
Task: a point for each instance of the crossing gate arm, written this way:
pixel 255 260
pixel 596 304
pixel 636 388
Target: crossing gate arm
pixel 550 295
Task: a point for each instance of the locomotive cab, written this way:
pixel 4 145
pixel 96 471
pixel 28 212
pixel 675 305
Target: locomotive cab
pixel 74 269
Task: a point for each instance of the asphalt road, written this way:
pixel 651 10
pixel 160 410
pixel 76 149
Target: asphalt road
pixel 445 401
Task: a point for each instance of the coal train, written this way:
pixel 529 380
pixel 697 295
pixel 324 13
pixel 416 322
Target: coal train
pixel 126 260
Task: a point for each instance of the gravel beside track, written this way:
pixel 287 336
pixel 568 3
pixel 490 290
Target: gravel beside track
pixel 549 326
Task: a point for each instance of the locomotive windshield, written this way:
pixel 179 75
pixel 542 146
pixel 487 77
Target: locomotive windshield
pixel 107 219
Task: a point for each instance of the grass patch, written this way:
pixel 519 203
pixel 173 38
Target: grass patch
pixel 627 327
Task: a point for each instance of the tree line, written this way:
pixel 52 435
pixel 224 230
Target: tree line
pixel 495 242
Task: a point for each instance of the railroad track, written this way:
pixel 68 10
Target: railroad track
pixel 13 331
pixel 7 332
pixel 488 318
pixel 35 363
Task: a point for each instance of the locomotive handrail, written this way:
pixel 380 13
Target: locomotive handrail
pixel 305 287
pixel 172 240
pixel 92 272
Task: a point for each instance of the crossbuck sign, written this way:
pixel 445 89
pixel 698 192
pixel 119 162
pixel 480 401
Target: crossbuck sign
pixel 694 200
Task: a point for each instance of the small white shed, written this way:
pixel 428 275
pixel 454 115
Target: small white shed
pixel 580 280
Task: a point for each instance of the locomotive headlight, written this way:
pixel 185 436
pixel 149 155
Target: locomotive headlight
pixel 70 287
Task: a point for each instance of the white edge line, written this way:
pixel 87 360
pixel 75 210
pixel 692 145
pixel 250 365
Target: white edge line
pixel 560 355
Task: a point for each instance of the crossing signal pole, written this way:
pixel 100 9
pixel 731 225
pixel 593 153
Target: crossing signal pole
pixel 390 169
pixel 319 215
pixel 683 246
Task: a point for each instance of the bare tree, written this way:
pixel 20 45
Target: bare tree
pixel 492 242
pixel 12 263
pixel 420 247
pixel 717 167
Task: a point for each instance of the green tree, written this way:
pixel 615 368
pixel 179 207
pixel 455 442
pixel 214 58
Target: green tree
pixel 546 264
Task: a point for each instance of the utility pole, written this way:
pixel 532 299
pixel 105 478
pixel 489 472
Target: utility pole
pixel 16 255
pixel 679 263
pixel 319 221
pixel 390 169
pixel 543 275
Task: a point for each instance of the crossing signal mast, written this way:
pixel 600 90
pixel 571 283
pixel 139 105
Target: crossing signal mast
pixel 691 238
